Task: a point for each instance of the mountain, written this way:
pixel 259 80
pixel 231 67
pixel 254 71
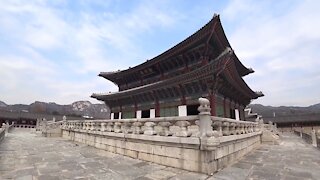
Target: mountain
pixel 270 111
pixel 315 107
pixel 79 108
pixel 2 104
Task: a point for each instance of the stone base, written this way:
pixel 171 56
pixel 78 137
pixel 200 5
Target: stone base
pixel 178 152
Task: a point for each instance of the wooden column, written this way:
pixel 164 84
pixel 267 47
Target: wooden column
pixel 135 109
pixel 157 108
pixel 224 107
pixel 231 110
pixel 212 99
pixel 183 97
pixel 183 100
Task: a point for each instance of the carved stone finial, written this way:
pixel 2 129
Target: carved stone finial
pixel 204 105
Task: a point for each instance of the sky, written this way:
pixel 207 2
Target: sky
pixel 52 51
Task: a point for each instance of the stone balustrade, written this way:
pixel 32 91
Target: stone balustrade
pixel 311 137
pixel 201 143
pixel 187 126
pixel 54 125
pixel 52 128
pixel 5 129
pixel 227 127
pixel 163 126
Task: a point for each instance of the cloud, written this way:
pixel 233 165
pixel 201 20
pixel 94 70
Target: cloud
pixel 53 50
pixel 55 54
pixel 280 46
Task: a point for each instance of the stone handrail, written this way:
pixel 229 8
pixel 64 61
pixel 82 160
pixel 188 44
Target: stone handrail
pixel 165 126
pixel 226 126
pixel 2 133
pixel 54 125
pixel 50 129
pixel 311 137
pixel 203 125
pixel 6 127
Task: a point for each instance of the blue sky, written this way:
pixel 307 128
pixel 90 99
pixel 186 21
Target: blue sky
pixel 52 51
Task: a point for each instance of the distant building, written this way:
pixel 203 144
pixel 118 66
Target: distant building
pixel 28 119
pixel 203 65
pixel 290 122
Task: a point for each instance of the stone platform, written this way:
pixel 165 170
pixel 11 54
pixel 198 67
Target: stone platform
pixel 24 155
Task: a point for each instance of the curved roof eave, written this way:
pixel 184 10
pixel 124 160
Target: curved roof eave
pixel 238 81
pixel 189 41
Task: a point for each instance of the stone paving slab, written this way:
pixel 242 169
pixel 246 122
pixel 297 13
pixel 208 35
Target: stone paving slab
pixel 24 156
pixel 292 159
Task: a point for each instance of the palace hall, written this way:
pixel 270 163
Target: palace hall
pixel 202 65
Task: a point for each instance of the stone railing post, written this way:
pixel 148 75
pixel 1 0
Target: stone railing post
pixel 204 117
pixel 149 128
pixel 44 127
pixel 225 128
pixel 256 127
pixel 110 126
pixel 164 129
pixel 103 127
pixel 38 125
pixel 232 128
pixel 183 129
pixel 44 123
pixel 126 127
pixel 218 127
pixel 208 138
pixel 136 128
pixel 7 127
pixel 261 125
pixel 64 122
pixel 117 127
pixel 88 126
pixel 270 127
pixel 314 138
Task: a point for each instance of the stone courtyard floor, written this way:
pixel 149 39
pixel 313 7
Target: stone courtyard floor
pixel 25 155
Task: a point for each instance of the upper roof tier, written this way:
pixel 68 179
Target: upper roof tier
pixel 211 34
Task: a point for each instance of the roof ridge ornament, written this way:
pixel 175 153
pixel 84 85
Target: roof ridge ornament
pixel 215 15
pixel 229 50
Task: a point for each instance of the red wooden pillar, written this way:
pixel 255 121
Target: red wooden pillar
pixel 157 108
pixel 212 99
pixel 224 107
pixel 135 109
pixel 231 109
pixel 183 101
